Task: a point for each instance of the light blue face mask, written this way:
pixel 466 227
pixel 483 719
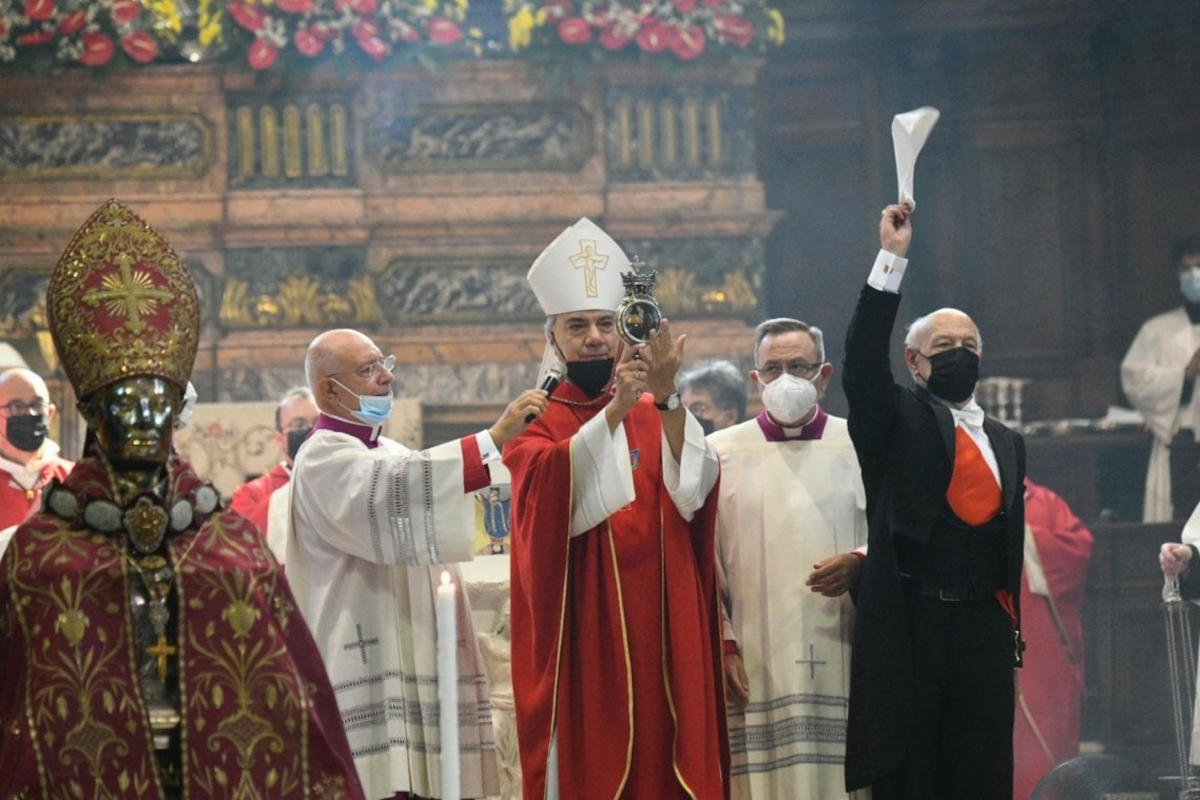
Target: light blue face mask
pixel 1189 284
pixel 373 409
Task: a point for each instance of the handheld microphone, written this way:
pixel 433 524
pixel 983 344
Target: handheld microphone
pixel 549 384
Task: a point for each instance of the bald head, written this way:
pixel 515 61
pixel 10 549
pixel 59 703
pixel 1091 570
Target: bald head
pixel 338 367
pixel 328 353
pixel 23 396
pixel 20 383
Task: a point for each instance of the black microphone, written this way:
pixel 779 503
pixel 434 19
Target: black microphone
pixel 549 384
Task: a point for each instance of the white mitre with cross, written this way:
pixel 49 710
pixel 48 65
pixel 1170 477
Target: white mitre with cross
pixel 579 271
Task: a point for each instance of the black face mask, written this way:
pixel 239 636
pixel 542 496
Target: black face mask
pixel 590 376
pixel 706 425
pixel 953 374
pixel 294 440
pixel 26 432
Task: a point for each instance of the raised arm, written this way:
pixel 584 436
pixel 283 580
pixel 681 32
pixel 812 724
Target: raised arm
pixel 867 372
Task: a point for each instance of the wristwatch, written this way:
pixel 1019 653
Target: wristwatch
pixel 670 404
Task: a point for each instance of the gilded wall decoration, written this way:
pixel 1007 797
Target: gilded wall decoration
pixel 292 287
pixel 114 145
pixel 301 140
pixel 454 290
pixel 719 277
pixel 534 136
pixel 679 132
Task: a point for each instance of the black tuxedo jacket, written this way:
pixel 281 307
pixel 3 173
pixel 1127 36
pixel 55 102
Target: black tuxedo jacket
pixel 904 439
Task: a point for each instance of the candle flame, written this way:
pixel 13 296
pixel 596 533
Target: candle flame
pixel 445 578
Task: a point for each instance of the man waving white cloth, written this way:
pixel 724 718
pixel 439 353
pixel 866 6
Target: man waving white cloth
pixel 368 518
pixel 791 505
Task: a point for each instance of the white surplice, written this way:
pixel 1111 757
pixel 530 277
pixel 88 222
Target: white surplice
pixel 782 507
pixel 366 524
pixel 1152 377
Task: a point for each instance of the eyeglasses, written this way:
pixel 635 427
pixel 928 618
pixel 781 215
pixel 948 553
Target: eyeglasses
pixel 369 371
pixel 298 424
pixel 19 408
pixel 801 369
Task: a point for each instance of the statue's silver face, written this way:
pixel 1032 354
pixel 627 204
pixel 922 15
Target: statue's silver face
pixel 133 420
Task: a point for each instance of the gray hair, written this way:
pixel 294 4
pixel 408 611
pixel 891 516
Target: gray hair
pixel 779 325
pixel 918 329
pixel 288 396
pixel 722 380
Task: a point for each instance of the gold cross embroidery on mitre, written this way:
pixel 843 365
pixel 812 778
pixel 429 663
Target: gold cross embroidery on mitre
pixel 132 292
pixel 588 260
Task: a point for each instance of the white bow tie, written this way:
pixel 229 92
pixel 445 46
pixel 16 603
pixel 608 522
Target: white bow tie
pixel 970 415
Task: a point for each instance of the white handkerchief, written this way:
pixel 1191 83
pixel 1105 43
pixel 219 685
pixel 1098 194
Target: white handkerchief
pixel 1033 566
pixel 909 132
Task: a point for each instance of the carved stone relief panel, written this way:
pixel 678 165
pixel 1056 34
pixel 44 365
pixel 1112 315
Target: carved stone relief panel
pixel 456 290
pixel 537 137
pixel 115 145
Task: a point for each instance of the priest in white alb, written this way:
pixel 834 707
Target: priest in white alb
pixel 791 537
pixel 1158 375
pixel 369 519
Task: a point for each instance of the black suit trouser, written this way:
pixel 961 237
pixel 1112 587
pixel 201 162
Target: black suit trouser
pixel 960 745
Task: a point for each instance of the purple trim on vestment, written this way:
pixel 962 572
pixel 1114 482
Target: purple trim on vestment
pixel 776 433
pixel 367 434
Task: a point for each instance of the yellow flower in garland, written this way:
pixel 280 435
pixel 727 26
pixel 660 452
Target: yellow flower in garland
pixel 165 17
pixel 775 32
pixel 211 23
pixel 520 29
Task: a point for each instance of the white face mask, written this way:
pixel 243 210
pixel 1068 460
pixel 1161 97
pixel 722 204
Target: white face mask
pixel 788 398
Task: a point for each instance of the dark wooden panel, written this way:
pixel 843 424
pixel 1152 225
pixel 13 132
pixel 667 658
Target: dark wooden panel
pixel 1127 704
pixel 1164 205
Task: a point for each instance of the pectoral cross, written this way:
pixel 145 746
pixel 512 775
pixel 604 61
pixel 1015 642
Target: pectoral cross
pixel 811 661
pixel 588 260
pixel 161 651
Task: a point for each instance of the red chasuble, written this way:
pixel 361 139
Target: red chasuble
pixel 1051 682
pixel 615 632
pixel 258 715
pixel 18 503
pixel 253 498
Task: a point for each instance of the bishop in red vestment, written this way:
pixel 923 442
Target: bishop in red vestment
pixel 616 657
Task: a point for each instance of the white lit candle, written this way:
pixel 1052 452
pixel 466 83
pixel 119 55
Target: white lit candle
pixel 447 663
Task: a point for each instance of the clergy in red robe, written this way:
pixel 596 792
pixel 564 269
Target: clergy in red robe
pixel 149 644
pixel 29 460
pixel 1050 687
pixel 616 654
pixel 294 418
